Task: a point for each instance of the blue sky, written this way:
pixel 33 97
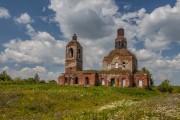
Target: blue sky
pixel 34 33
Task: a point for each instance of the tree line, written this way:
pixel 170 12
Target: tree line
pixel 5 78
pixel 165 86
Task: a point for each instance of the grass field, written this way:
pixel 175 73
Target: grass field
pixel 53 102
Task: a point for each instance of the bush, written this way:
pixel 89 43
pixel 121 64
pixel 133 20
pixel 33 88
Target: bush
pixel 165 87
pixel 52 81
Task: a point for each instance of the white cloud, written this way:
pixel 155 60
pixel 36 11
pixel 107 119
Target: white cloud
pixel 145 55
pixel 43 9
pixel 30 30
pixel 127 7
pixel 134 16
pixel 161 68
pixel 47 19
pixel 24 19
pixel 90 19
pixel 41 48
pixel 161 27
pixel 26 72
pixel 4 13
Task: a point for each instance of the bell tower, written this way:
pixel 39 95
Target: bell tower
pixel 120 41
pixel 74 56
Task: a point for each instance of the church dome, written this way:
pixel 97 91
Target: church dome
pixel 120 52
pixel 74 41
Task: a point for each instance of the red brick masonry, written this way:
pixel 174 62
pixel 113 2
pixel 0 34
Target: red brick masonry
pixel 118 67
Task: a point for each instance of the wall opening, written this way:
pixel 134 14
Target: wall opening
pixel 116 65
pixel 102 82
pixel 79 53
pixel 76 80
pixel 124 82
pixel 124 64
pixel 71 52
pixel 119 44
pixel 112 82
pixel 86 81
pixel 140 83
pixel 109 66
pixel 65 81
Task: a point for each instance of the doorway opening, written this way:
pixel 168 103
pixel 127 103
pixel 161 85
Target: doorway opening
pixel 76 81
pixel 140 83
pixel 86 81
pixel 124 82
pixel 112 83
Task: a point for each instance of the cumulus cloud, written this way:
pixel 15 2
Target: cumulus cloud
pixel 90 19
pixel 41 48
pixel 95 23
pixel 161 67
pixel 4 13
pixel 26 72
pixel 24 19
pixel 161 27
pixel 145 55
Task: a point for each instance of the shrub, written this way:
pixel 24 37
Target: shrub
pixel 42 81
pixel 165 86
pixel 52 81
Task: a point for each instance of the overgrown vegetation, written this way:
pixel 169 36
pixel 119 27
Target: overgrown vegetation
pixel 25 99
pixel 144 70
pixel 51 101
pixel 165 86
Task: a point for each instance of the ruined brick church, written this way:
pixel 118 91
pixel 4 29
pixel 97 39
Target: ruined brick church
pixel 119 67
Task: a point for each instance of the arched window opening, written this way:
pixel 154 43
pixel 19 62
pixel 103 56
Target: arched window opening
pixel 71 52
pixel 76 80
pixel 102 81
pixel 79 53
pixel 124 64
pixel 119 44
pixel 86 81
pixel 116 65
pixel 140 83
pixel 109 66
pixel 123 82
pixel 65 81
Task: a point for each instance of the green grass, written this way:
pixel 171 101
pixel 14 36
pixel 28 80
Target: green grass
pixel 53 102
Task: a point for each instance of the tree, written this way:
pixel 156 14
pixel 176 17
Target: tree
pixel 36 78
pixel 5 77
pixel 165 86
pixel 144 70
